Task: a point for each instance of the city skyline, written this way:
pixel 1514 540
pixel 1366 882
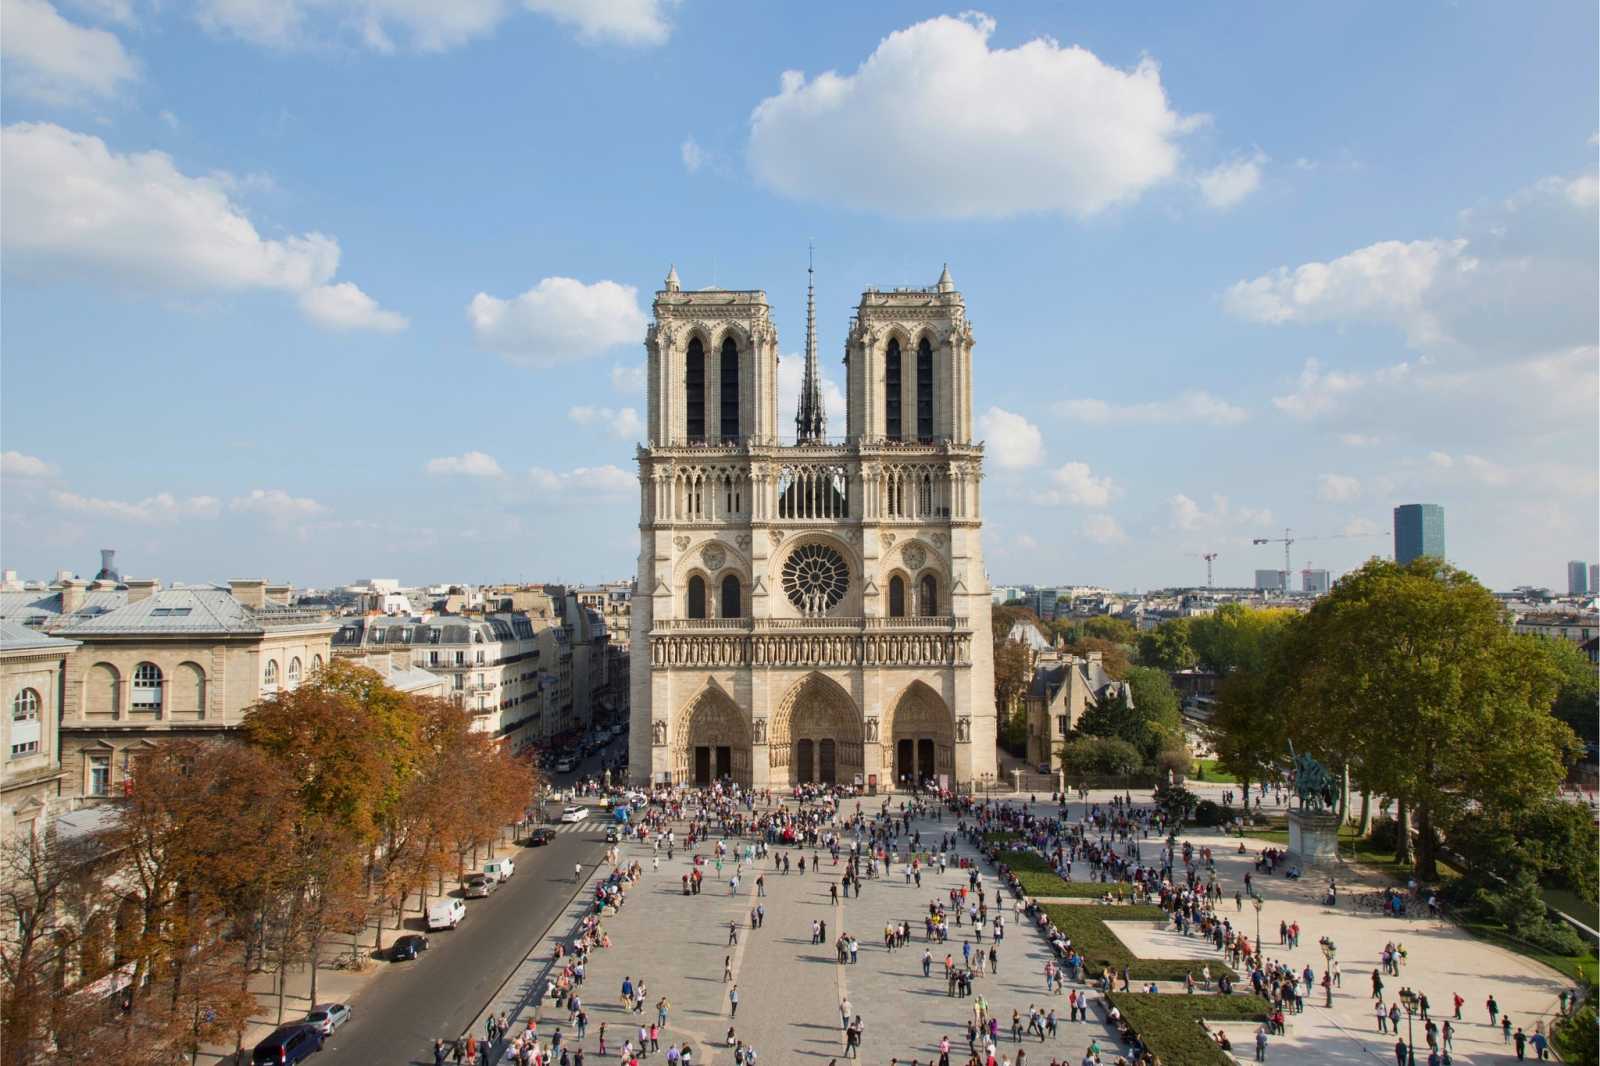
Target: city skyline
pixel 374 238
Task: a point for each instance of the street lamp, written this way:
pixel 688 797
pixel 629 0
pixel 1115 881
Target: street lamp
pixel 1258 903
pixel 1328 952
pixel 1408 999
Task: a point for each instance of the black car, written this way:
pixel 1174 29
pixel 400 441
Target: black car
pixel 408 947
pixel 540 837
pixel 287 1045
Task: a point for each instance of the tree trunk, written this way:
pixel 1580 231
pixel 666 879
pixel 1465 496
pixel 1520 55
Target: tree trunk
pixel 1427 859
pixel 1365 825
pixel 1402 839
pixel 1344 796
pixel 377 942
pixel 283 982
pixel 316 958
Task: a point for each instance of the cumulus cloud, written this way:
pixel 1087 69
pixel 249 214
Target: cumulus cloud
pixel 560 320
pixel 1010 439
pixel 152 510
pixel 1189 408
pixel 1103 529
pixel 1338 488
pixel 1228 185
pixel 1191 517
pixel 623 423
pixel 1360 527
pixel 965 130
pixel 1317 391
pixel 1075 485
pixel 628 22
pixel 472 464
pixel 24 467
pixel 58 61
pixel 693 156
pixel 605 480
pixel 75 209
pixel 791 371
pixel 275 504
pixel 628 378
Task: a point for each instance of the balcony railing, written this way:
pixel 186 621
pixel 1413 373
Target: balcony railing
pixel 763 625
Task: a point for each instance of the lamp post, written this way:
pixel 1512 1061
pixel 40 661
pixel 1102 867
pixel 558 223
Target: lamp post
pixel 1328 952
pixel 1258 903
pixel 1408 999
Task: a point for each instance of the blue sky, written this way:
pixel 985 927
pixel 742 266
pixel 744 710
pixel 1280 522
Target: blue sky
pixel 318 290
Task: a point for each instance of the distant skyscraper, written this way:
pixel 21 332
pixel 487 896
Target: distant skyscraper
pixel 1578 578
pixel 1269 580
pixel 1594 578
pixel 1314 581
pixel 1418 530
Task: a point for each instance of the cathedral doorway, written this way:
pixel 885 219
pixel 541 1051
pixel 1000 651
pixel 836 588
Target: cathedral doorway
pixel 922 732
pixel 711 742
pixel 816 735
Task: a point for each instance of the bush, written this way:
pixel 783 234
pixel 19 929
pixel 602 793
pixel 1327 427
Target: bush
pixel 1574 1038
pixel 1385 835
pixel 1207 813
pixel 1176 759
pixel 1085 925
pixel 1111 756
pixel 1522 910
pixel 1170 1028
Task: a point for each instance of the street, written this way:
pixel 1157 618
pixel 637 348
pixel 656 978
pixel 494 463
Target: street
pixel 397 1018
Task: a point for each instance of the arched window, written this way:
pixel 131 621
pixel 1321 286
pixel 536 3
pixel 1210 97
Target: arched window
pixel 294 672
pixel 316 662
pixel 897 597
pixel 25 706
pixel 729 392
pixel 270 678
pixel 927 595
pixel 891 391
pixel 924 391
pixel 730 596
pixel 147 687
pixel 25 723
pixel 697 597
pixel 694 388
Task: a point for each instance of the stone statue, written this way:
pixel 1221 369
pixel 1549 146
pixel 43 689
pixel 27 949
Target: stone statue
pixel 963 730
pixel 659 731
pixel 872 730
pixel 1318 789
pixel 758 730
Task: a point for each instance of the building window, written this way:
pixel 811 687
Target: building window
pixel 897 597
pixel 694 388
pixel 316 663
pixel 461 658
pixel 730 390
pixel 433 658
pixel 270 678
pixel 480 656
pixel 147 687
pixel 891 391
pixel 99 775
pixel 24 723
pixel 730 597
pixel 697 597
pixel 1061 725
pixel 461 680
pixel 928 595
pixel 294 672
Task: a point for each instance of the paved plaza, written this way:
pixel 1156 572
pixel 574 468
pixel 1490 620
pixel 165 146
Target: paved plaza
pixel 790 989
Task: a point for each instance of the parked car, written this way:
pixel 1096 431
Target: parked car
pixel 477 886
pixel 499 869
pixel 287 1045
pixel 446 914
pixel 540 837
pixel 326 1017
pixel 408 947
pixel 573 814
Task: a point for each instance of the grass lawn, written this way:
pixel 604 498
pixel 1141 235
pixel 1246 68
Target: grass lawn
pixel 1206 770
pixel 999 836
pixel 1170 1025
pixel 1085 925
pixel 1038 879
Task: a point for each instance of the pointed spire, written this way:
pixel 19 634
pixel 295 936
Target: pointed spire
pixel 810 422
pixel 945 284
pixel 672 279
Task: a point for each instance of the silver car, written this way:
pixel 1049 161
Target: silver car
pixel 326 1017
pixel 477 886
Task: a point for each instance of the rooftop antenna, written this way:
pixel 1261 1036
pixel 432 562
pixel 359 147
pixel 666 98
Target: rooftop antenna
pixel 810 421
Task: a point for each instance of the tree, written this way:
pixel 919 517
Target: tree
pixel 1113 656
pixel 1110 627
pixel 1236 637
pixel 1012 676
pixel 1167 647
pixel 1248 727
pixel 1578 699
pixel 1150 721
pixel 1100 756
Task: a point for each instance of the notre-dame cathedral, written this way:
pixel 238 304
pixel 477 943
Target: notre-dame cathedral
pixel 814 611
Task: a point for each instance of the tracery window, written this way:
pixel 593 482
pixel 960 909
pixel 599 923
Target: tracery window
pixel 924 391
pixel 731 597
pixel 897 597
pixel 694 386
pixel 729 398
pixel 891 391
pixel 697 597
pixel 815 578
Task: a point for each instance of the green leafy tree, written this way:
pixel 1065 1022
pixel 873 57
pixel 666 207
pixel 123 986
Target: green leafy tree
pixel 1249 727
pixel 1236 637
pixel 1110 627
pixel 1150 721
pixel 1578 699
pixel 1167 647
pixel 1100 757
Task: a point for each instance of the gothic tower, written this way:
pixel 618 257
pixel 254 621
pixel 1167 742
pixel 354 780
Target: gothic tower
pixel 811 610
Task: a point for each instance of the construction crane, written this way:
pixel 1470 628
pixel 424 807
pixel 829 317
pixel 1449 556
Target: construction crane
pixel 1207 556
pixel 1289 539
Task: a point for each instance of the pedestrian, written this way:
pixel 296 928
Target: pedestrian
pixel 1261 1043
pixel 727 968
pixel 733 1002
pixel 1400 1053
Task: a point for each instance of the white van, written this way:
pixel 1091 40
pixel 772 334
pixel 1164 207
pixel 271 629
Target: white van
pixel 500 869
pixel 446 914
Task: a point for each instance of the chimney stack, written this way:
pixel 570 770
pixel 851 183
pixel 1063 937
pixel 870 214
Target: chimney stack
pixel 108 566
pixel 142 588
pixel 72 593
pixel 279 594
pixel 250 592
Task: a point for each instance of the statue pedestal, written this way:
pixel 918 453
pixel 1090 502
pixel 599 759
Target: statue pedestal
pixel 1313 837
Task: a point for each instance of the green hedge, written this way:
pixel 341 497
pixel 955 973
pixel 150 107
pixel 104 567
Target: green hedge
pixel 1038 878
pixel 1170 1025
pixel 1085 925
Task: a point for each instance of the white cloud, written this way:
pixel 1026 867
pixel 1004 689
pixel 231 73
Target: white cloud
pixel 1338 488
pixel 1228 185
pixel 57 61
pixel 1103 529
pixel 275 504
pixel 630 22
pixel 1360 527
pixel 152 510
pixel 1187 515
pixel 628 378
pixel 1360 440
pixel 1075 485
pixel 791 370
pixel 76 209
pixel 22 466
pixel 1010 439
pixel 623 423
pixel 1188 408
pixel 1485 471
pixel 344 306
pixel 472 464
pixel 608 480
pixel 1583 191
pixel 1318 391
pixel 559 320
pixel 694 157
pixel 958 129
pixel 170 119
pixel 1441 460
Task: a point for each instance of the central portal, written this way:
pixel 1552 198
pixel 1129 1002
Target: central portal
pixel 817 733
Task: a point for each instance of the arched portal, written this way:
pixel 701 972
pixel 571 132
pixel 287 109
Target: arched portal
pixel 922 736
pixel 711 742
pixel 816 735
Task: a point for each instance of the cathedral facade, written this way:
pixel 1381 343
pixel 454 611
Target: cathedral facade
pixel 815 611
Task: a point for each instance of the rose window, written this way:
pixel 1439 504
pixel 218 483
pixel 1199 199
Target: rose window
pixel 815 578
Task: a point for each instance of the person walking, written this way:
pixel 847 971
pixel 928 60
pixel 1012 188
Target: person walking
pixel 1261 1043
pixel 733 1002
